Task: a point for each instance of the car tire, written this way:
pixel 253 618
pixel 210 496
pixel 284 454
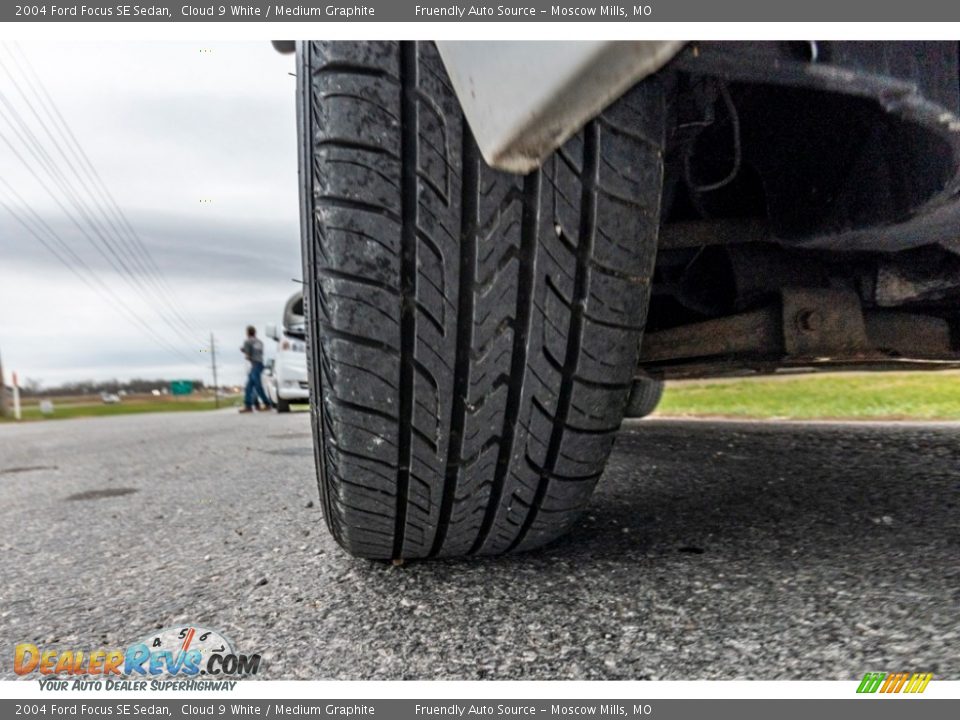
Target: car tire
pixel 283 406
pixel 644 397
pixel 473 334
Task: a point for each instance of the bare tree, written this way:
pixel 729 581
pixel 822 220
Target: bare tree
pixel 32 386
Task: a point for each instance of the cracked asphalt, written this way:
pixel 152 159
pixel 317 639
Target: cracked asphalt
pixel 712 550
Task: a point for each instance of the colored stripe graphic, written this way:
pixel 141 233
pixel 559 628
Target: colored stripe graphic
pixel 871 682
pixel 894 682
pixel 918 683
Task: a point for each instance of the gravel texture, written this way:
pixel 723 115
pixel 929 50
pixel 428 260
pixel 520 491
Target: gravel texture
pixel 710 551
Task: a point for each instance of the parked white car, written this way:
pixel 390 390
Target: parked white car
pixel 285 378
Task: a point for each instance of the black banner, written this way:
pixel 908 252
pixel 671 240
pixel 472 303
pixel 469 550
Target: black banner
pixel 523 11
pixel 222 708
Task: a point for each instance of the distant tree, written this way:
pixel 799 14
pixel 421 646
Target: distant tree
pixel 32 386
pixel 93 387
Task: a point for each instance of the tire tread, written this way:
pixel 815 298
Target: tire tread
pixel 473 333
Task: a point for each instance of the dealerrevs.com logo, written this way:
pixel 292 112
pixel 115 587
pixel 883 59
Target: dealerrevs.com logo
pixel 181 658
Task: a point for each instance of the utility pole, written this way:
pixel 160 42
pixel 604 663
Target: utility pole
pixel 213 361
pixel 16 397
pixel 3 392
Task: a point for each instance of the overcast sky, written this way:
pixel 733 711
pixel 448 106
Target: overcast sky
pixel 197 145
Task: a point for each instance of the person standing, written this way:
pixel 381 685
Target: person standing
pixel 252 350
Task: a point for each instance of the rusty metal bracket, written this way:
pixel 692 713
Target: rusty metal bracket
pixel 747 333
pixel 823 322
pixel 812 328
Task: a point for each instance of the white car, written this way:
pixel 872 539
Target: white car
pixel 285 378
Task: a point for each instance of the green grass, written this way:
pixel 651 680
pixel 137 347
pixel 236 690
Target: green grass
pixel 841 396
pixel 838 396
pixel 77 410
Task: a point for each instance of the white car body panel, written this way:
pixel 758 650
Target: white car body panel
pixel 290 371
pixel 288 375
pixel 524 99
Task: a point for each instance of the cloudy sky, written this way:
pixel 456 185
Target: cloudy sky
pixel 196 144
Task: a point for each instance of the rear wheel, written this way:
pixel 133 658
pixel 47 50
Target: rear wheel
pixel 283 405
pixel 644 397
pixel 473 334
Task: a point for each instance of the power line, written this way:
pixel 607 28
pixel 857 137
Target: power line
pixel 92 280
pixel 128 313
pixel 131 262
pixel 26 137
pixel 119 270
pixel 83 160
pixel 133 245
pixel 104 248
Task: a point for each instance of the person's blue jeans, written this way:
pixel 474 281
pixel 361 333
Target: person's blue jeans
pixel 255 386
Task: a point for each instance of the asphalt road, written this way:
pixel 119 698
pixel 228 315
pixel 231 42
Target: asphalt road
pixel 712 550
